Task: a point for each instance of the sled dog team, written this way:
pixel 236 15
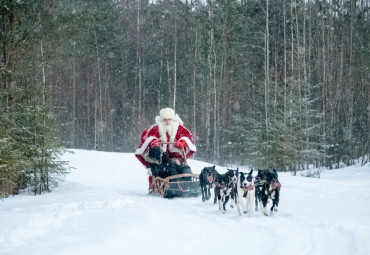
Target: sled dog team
pixel 242 189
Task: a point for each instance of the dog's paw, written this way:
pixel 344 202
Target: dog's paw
pixel 275 208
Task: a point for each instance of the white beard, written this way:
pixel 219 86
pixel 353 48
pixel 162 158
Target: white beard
pixel 170 129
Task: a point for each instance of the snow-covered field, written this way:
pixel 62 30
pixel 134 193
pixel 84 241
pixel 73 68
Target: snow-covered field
pixel 103 208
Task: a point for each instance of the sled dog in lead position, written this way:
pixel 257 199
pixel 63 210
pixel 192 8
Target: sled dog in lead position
pixel 245 191
pixel 222 191
pixel 226 188
pixel 268 187
pixel 233 183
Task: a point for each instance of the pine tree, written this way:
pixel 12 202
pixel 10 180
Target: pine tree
pixel 29 146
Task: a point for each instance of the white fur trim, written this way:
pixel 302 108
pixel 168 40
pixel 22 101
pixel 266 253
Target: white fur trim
pixel 159 120
pixel 145 145
pixel 167 113
pixel 189 143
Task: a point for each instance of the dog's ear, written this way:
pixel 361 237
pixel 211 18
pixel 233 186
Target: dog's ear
pixel 251 171
pixel 214 167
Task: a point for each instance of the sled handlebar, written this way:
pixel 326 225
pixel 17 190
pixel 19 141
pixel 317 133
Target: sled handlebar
pixel 183 150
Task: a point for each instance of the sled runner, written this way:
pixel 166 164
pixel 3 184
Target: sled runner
pixel 180 185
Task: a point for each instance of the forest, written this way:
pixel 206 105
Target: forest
pixel 259 83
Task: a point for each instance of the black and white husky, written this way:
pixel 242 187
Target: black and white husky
pixel 225 188
pixel 222 191
pixel 245 193
pixel 268 188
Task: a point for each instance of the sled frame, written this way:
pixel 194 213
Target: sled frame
pixel 169 187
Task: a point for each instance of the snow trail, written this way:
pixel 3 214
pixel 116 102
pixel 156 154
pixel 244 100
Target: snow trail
pixel 103 208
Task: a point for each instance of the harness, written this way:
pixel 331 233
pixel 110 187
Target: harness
pixel 276 185
pixel 210 178
pixel 221 186
pixel 248 187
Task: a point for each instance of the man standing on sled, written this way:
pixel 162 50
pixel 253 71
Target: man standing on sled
pixel 165 146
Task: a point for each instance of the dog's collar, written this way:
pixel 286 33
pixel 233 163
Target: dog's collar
pixel 247 188
pixel 260 182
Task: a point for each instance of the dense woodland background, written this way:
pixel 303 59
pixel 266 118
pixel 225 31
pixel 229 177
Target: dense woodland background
pixel 264 83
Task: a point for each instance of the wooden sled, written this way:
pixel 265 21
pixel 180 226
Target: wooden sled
pixel 180 185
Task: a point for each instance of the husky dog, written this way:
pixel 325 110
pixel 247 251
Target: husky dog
pixel 207 180
pixel 245 190
pixel 233 183
pixel 268 187
pixel 222 191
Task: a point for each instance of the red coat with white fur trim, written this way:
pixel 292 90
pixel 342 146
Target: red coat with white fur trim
pixel 177 132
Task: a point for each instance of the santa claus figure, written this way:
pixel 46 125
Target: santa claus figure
pixel 170 136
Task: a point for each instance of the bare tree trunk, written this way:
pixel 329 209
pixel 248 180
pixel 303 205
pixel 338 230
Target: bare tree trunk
pixel 215 107
pixel 194 84
pixel 276 82
pixel 89 96
pixel 169 83
pixel 226 86
pixel 73 136
pixel 350 122
pixel 138 67
pixel 292 78
pixel 267 65
pixel 299 51
pixel 208 86
pixel 305 90
pixel 306 76
pixel 43 170
pixel 161 70
pixel 324 91
pixel 95 119
pixel 175 68
pixel 285 66
pixel 100 124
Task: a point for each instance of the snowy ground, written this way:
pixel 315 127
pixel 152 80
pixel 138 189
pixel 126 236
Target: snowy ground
pixel 103 208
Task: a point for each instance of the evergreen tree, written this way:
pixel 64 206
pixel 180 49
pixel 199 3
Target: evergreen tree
pixel 30 149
